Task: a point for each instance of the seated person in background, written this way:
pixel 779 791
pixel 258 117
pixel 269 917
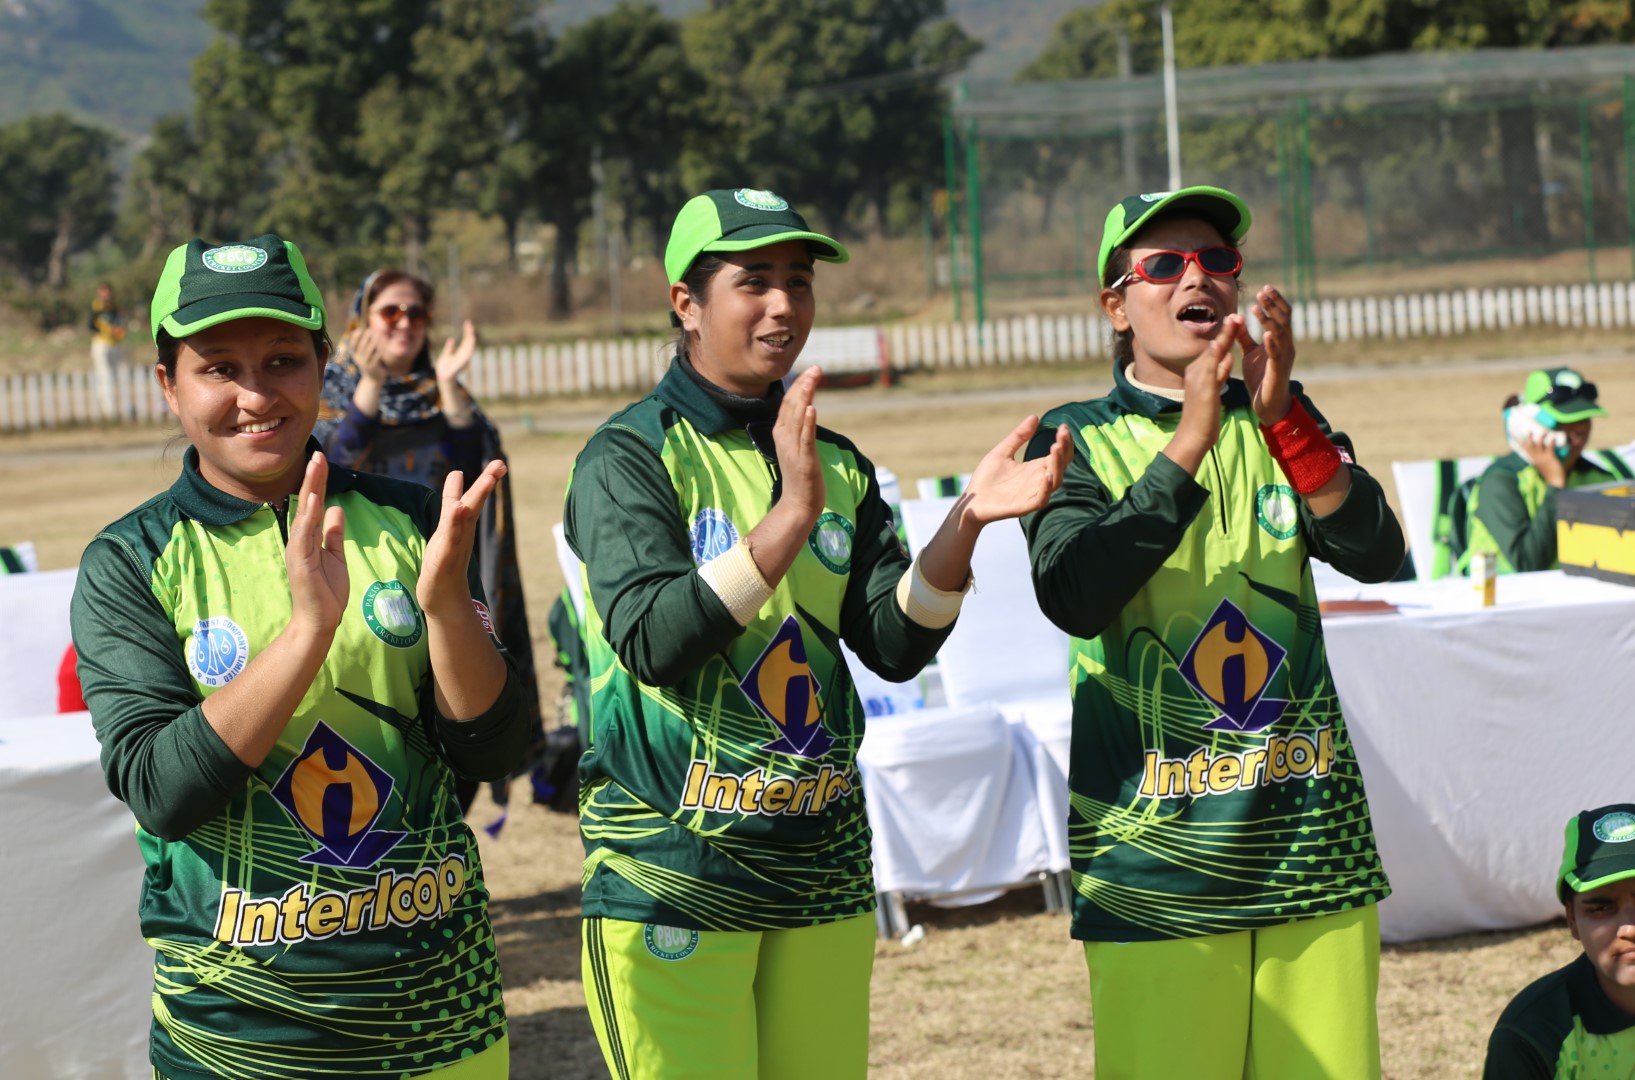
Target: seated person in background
pixel 1580 1021
pixel 1513 510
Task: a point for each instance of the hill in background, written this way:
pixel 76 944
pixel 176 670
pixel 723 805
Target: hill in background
pixel 125 62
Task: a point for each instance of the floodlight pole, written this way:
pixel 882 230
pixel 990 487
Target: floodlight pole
pixel 1172 123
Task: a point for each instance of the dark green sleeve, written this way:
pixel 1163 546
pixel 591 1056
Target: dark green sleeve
pixel 1527 541
pixel 624 521
pixel 1511 1055
pixel 888 642
pixel 1091 554
pixel 1361 537
pixel 159 753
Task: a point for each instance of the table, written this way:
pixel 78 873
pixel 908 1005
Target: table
pixel 77 1000
pixel 1480 731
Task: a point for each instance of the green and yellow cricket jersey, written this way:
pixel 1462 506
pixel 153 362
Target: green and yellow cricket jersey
pixel 1562 1027
pixel 720 789
pixel 323 914
pixel 1513 512
pixel 1213 787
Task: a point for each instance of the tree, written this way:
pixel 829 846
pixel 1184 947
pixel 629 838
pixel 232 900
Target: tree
pixel 57 180
pixel 829 99
pixel 645 104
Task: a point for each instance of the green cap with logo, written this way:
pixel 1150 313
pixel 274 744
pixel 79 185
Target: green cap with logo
pixel 1217 206
pixel 1562 394
pixel 738 219
pixel 1600 849
pixel 204 284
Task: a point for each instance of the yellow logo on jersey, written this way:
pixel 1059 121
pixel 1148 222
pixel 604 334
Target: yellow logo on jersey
pixel 1283 758
pixel 401 898
pixel 754 793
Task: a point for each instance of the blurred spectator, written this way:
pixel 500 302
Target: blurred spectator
pixel 107 328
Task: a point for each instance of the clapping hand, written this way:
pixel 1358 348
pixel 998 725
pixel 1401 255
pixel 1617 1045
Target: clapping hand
pixel 363 346
pixel 794 435
pixel 1266 366
pixel 1002 487
pixel 313 558
pixel 456 357
pixel 443 584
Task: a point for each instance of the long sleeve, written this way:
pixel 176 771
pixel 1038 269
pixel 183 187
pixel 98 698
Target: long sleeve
pixel 1361 538
pixel 159 753
pixel 622 519
pixel 872 622
pixel 1091 554
pixel 1527 541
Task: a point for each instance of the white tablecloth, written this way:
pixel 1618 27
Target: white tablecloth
pixel 1480 732
pixel 75 1000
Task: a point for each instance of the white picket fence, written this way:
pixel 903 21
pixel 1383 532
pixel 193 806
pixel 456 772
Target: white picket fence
pixel 633 365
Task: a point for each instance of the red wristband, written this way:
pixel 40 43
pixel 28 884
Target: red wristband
pixel 1308 459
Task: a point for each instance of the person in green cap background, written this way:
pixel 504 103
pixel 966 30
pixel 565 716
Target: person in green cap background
pixel 286 665
pixel 730 545
pixel 1224 868
pixel 1579 1022
pixel 1512 512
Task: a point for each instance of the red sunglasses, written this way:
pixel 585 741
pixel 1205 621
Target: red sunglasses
pixel 396 313
pixel 1162 267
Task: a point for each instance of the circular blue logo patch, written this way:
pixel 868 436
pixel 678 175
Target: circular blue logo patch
pixel 712 535
pixel 218 652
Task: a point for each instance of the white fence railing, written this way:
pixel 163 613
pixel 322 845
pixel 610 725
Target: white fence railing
pixel 633 365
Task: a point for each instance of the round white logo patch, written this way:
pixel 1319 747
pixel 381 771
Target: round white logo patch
pixel 1615 828
pixel 669 942
pixel 831 542
pixel 235 259
pixel 712 535
pixel 390 612
pixel 759 200
pixel 1277 511
pixel 1155 196
pixel 218 652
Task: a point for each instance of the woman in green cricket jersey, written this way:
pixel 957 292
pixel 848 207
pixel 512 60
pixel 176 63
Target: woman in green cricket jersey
pixel 286 665
pixel 1224 869
pixel 730 546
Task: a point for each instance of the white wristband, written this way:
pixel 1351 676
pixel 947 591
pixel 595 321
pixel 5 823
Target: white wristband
pixel 924 603
pixel 734 577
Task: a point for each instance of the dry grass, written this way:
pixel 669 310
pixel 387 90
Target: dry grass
pixel 993 991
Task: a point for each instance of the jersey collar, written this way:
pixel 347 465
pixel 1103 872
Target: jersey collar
pixel 1132 398
pixel 1590 1002
pixel 204 502
pixel 711 413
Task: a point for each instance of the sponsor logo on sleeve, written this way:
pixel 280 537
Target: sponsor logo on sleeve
pixel 218 651
pixel 712 535
pixel 484 617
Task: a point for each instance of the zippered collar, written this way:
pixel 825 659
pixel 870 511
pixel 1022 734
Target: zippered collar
pixel 710 414
pixel 1132 399
pixel 202 501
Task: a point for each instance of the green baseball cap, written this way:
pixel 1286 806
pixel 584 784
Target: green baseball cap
pixel 738 219
pixel 204 284
pixel 1562 394
pixel 1217 206
pixel 1600 849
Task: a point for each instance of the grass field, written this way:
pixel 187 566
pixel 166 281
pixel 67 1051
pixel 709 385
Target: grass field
pixel 992 991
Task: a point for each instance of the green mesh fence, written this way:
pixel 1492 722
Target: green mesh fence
pixel 1496 166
